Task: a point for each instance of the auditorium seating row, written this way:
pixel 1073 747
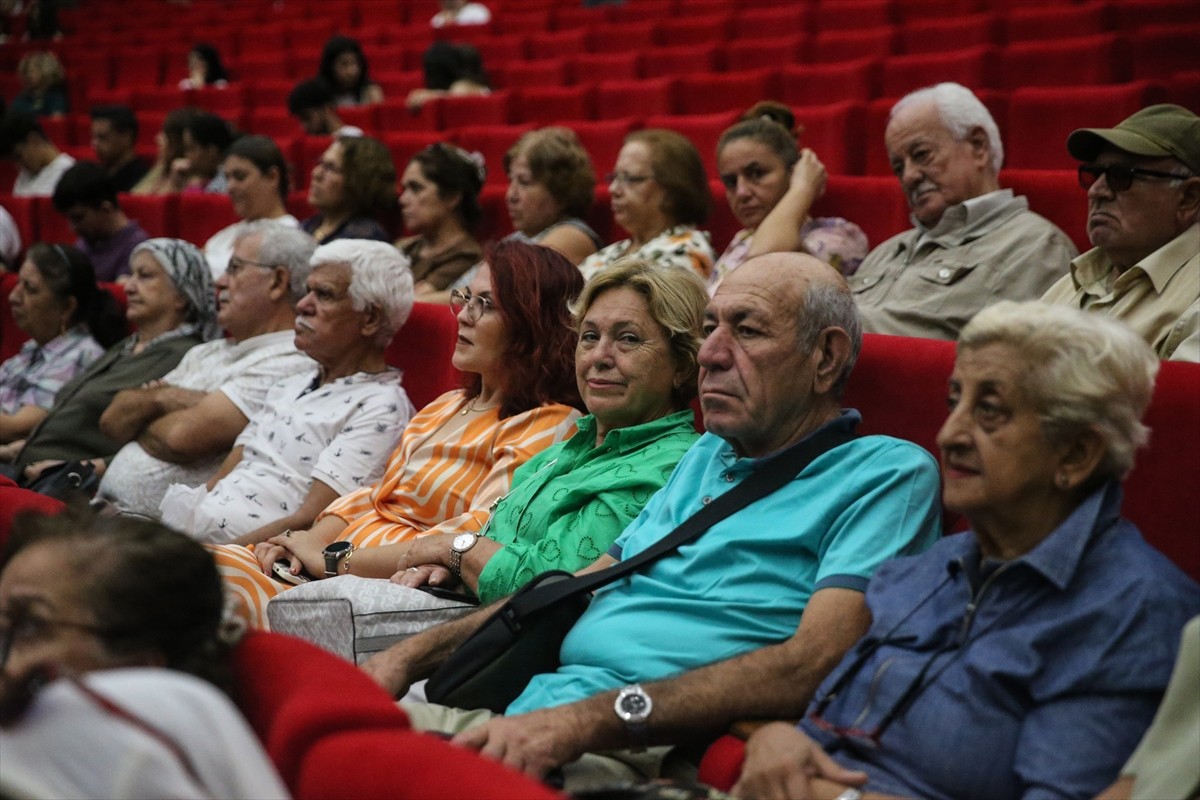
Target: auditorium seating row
pixel 875 203
pixel 640 51
pixel 293 26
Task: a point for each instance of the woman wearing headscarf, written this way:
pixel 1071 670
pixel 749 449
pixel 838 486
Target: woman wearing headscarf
pixel 171 303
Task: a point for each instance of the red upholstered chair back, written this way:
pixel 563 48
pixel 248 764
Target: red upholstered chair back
pixel 14 501
pixel 423 348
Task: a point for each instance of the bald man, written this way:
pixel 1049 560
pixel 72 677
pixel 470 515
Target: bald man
pixel 746 620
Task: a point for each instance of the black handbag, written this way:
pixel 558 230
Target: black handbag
pixel 523 638
pixel 66 479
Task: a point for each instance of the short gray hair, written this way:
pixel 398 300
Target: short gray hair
pixel 380 277
pixel 960 111
pixel 830 305
pixel 284 246
pixel 1081 371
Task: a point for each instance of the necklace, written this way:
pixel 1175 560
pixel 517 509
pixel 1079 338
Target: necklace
pixel 470 407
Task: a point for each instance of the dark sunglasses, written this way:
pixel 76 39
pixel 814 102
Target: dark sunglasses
pixel 1119 177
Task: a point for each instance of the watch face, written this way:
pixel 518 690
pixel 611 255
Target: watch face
pixel 633 705
pixel 337 547
pixel 463 542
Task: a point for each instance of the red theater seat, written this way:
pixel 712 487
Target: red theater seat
pixel 951 32
pixel 157 214
pixel 552 105
pixel 546 72
pixel 835 132
pixel 619 37
pixel 875 204
pixel 903 74
pixel 1162 50
pixel 603 139
pixel 403 146
pixel 1055 194
pixel 702 129
pixel 694 30
pixel 816 84
pixel 781 20
pixel 852 14
pixel 423 349
pixel 708 94
pixel 559 44
pixel 201 215
pixel 492 142
pixel 828 47
pixel 616 99
pixel 670 61
pixel 1054 22
pixel 596 67
pixel 1084 60
pixel 1040 118
pixel 455 112
pixel 783 51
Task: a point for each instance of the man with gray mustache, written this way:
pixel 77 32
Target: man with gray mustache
pixel 973 243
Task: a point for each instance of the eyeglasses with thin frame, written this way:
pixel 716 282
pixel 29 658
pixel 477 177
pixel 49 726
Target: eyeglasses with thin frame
pixel 476 305
pixel 1120 177
pixel 23 626
pixel 236 265
pixel 628 179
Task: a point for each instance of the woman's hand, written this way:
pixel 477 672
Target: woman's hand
pixel 426 574
pixel 10 451
pixel 780 760
pixel 302 549
pixel 809 175
pixel 34 470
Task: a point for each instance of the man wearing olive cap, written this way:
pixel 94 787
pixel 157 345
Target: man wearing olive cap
pixel 1144 220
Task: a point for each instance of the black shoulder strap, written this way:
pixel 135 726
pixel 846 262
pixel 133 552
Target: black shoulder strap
pixel 769 477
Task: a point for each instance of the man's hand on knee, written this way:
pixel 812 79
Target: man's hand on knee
pixel 533 743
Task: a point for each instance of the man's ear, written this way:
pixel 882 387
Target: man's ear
pixel 281 284
pixel 981 145
pixel 1189 202
pixel 832 352
pixel 372 321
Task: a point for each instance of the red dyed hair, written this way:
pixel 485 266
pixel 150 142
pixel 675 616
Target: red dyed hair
pixel 531 289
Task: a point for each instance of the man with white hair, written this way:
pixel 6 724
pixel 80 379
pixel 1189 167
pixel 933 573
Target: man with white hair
pixel 973 243
pixel 323 432
pixel 179 429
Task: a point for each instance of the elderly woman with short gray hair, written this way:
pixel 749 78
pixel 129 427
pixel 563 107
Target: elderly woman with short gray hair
pixel 1028 635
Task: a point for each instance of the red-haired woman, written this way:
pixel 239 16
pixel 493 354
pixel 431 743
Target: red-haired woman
pixel 516 343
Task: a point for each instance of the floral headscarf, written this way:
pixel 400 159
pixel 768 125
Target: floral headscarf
pixel 188 270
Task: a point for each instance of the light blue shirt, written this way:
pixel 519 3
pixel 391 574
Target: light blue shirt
pixel 744 583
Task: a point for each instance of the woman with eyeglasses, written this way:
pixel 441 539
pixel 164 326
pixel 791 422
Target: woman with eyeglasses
pixel 771 185
pixel 458 454
pixel 70 321
pixel 660 196
pixel 116 666
pixel 353 185
pixel 256 175
pixel 171 302
pixel 1025 657
pixel 439 201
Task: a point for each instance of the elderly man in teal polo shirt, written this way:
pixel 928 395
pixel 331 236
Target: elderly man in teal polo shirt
pixel 745 620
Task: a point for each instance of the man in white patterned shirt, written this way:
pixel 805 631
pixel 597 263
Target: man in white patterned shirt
pixel 327 430
pixel 179 429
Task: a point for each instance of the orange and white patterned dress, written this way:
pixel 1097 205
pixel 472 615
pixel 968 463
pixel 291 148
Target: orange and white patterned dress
pixel 443 478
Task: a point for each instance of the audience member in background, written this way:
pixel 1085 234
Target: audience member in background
pixel 451 69
pixel 170 301
pixel 756 610
pixel 659 195
pixel 86 196
pixel 311 103
pixel 550 190
pixel 1008 635
pixel 162 178
pixel 256 175
pixel 10 241
pixel 458 455
pixel 206 139
pixel 461 12
pixel 344 69
pixel 635 365
pixel 118 667
pixel 974 243
pixel 70 322
pixel 1143 184
pixel 204 69
pixel 43 86
pixel 40 164
pixel 325 431
pixel 114 134
pixel 771 185
pixel 179 429
pixel 353 185
pixel 439 201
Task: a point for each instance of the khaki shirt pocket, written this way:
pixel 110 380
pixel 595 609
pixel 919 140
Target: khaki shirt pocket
pixel 943 273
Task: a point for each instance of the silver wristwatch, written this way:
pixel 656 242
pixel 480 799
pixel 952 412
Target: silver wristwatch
pixel 461 544
pixel 633 706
